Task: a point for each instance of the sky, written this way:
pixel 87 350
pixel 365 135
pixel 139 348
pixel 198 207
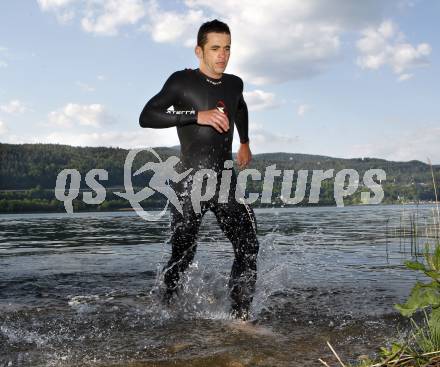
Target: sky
pixel 341 78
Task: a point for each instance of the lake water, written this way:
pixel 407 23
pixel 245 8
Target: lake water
pixel 76 290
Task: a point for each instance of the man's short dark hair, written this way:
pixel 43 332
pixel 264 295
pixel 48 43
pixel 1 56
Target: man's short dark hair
pixel 215 26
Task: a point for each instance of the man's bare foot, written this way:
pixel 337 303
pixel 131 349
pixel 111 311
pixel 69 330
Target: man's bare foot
pixel 250 327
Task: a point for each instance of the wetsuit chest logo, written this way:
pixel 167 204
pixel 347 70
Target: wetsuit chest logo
pixel 221 107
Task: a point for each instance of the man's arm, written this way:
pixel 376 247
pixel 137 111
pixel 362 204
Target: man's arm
pixel 244 155
pixel 155 115
pixel 242 121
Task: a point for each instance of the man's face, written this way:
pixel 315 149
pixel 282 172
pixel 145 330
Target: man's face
pixel 216 52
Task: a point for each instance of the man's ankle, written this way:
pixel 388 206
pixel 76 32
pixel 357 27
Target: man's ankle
pixel 240 314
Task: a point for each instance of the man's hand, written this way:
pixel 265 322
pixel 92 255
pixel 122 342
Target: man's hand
pixel 244 155
pixel 214 118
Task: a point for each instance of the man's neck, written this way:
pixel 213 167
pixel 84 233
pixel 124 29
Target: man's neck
pixel 207 72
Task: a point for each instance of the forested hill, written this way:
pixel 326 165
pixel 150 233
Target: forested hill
pixel 26 166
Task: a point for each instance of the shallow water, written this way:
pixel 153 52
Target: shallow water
pixel 76 290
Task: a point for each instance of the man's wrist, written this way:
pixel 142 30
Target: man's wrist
pixel 244 142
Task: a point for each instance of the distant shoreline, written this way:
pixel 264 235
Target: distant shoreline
pixel 129 209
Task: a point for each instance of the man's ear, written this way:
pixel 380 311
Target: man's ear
pixel 199 52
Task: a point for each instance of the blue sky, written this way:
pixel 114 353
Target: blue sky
pixel 341 78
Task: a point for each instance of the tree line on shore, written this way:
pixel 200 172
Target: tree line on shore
pixel 28 175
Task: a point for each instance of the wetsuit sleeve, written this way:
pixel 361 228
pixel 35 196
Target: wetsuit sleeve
pixel 155 114
pixel 241 118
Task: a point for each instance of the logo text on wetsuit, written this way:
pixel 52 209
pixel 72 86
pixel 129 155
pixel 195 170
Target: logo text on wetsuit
pixel 212 82
pixel 172 111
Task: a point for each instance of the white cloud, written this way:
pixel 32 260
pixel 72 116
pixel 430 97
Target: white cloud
pixel 404 4
pixel 13 107
pixel 264 141
pixel 59 8
pixel 386 45
pixel 80 115
pixel 101 77
pixel 302 109
pixel 53 4
pixel 3 128
pixel 258 100
pixel 171 26
pixel 85 87
pixel 65 16
pixel 105 18
pixel 126 139
pixel 403 77
pixel 417 144
pixel 3 53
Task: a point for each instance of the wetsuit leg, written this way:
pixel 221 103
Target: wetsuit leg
pixel 184 230
pixel 238 222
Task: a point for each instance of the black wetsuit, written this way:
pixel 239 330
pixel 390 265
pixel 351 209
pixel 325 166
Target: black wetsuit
pixel 184 94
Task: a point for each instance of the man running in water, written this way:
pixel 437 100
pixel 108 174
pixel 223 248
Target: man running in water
pixel 205 104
